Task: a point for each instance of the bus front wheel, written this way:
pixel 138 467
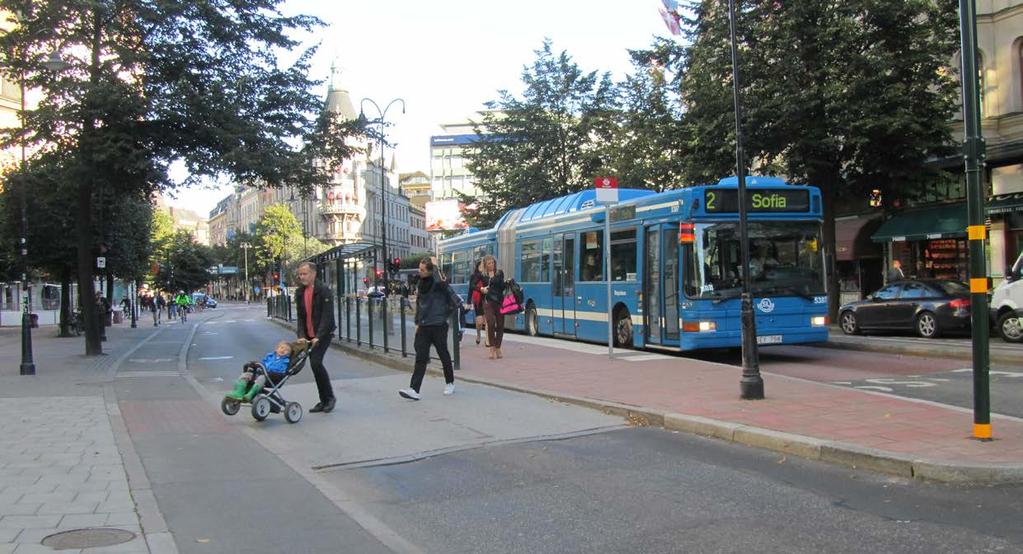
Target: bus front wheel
pixel 532 323
pixel 623 328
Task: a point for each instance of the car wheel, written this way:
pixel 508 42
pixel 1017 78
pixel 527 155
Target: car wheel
pixel 1010 326
pixel 532 323
pixel 927 325
pixel 849 324
pixel 623 328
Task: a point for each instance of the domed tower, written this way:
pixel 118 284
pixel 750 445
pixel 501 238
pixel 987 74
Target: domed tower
pixel 342 204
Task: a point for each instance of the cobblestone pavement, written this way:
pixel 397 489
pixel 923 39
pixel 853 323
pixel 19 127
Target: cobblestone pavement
pixel 60 470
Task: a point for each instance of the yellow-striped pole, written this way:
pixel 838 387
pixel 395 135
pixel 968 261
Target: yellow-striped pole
pixel 973 151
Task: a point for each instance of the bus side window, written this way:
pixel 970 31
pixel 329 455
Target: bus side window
pixel 592 259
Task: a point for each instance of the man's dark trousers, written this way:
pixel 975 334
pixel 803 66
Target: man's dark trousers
pixel 319 371
pixel 436 336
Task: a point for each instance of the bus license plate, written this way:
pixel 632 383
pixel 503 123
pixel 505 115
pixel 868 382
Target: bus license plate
pixel 769 339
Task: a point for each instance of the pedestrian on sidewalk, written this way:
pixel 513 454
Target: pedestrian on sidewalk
pixel 476 295
pixel 149 303
pixel 895 273
pixel 493 298
pixel 315 318
pixel 435 302
pixel 160 305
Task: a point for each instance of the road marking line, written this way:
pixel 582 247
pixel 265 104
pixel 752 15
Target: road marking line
pixel 149 360
pixel 870 387
pixel 1012 374
pixel 217 358
pixel 130 374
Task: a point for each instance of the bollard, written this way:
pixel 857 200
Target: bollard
pixel 369 311
pixel 383 320
pixel 287 304
pixel 404 348
pixel 358 321
pixel 269 303
pixel 348 318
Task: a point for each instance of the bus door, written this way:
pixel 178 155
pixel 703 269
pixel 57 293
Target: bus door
pixel 563 287
pixel 661 284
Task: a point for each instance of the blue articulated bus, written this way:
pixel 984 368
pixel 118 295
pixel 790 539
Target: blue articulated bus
pixel 675 267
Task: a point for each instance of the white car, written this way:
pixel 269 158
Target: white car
pixel 1007 304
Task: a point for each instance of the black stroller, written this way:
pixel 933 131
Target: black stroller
pixel 269 400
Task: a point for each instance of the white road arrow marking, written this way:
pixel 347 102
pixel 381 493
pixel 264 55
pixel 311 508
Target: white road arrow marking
pixel 882 389
pixel 1010 374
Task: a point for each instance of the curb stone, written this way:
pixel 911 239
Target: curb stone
pixel 996 355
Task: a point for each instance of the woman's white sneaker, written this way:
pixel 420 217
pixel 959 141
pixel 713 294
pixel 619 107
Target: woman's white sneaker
pixel 408 393
pixel 449 389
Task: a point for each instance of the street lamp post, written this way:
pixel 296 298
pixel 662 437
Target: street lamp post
pixel 751 386
pixel 245 248
pixel 383 184
pixel 28 366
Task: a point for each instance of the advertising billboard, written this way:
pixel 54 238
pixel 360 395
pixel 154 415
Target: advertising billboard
pixel 444 215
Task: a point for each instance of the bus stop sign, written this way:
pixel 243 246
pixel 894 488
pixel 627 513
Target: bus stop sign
pixel 607 189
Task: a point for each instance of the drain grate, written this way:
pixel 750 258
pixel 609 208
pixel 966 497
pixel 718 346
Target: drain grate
pixel 87 538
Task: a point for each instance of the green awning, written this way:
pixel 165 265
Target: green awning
pixel 1005 203
pixel 935 222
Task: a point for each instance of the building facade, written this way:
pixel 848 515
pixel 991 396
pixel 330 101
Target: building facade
pixel 416 187
pixel 449 173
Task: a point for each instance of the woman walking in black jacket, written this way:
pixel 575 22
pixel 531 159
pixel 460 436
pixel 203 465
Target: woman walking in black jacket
pixel 493 295
pixel 433 309
pixel 476 294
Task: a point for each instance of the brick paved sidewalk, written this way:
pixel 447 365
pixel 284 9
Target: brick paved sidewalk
pixel 905 428
pixel 60 467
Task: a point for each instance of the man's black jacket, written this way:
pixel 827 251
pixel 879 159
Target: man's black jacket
pixel 323 311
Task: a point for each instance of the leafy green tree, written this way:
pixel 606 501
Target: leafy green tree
pixel 148 84
pixel 277 227
pixel 186 266
pixel 847 95
pixel 549 142
pixel 650 138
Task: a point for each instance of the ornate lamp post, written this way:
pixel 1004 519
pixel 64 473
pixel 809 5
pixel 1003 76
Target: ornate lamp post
pixel 383 185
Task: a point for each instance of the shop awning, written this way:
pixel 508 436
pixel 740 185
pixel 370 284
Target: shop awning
pixel 852 238
pixel 1005 203
pixel 935 222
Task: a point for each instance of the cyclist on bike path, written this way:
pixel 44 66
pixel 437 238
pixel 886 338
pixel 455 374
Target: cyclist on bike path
pixel 182 302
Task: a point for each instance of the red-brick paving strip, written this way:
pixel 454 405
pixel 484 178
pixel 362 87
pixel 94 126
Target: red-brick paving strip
pixel 816 420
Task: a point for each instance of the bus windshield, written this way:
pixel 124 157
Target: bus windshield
pixel 785 260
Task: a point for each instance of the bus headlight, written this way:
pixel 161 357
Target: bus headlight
pixel 699 326
pixel 819 321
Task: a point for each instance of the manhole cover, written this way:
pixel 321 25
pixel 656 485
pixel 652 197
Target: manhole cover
pixel 87 538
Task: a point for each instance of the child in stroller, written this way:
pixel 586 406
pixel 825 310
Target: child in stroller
pixel 260 383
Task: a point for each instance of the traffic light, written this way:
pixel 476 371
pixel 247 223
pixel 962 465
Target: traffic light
pixel 395 266
pixel 277 277
pixel 379 274
pixel 365 281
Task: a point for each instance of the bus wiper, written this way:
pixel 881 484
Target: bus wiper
pixel 789 289
pixel 721 296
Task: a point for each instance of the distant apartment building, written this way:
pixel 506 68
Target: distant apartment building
pixel 420 240
pixel 416 187
pixel 346 211
pixel 187 220
pixel 449 173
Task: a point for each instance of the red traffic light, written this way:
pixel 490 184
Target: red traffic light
pixel 379 273
pixel 277 276
pixel 365 280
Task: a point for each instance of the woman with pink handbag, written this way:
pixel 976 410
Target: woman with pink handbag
pixel 493 301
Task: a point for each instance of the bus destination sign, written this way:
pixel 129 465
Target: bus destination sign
pixel 758 200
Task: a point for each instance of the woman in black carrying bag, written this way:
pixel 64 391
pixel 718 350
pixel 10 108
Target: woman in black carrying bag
pixel 493 297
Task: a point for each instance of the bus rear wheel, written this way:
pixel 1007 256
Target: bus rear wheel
pixel 623 328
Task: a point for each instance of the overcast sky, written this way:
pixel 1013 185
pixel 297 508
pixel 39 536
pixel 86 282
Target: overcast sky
pixel 445 58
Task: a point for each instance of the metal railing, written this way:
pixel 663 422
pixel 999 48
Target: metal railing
pixel 386 323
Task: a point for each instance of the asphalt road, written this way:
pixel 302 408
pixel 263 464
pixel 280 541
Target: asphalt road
pixel 488 470
pixel 944 380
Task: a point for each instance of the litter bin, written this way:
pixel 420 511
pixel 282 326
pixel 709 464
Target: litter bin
pixel 33 320
pixel 118 316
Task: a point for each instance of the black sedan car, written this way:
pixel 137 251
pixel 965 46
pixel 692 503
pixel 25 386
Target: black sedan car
pixel 928 307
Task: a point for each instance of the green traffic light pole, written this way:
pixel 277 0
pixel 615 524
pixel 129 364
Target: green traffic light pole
pixel 973 153
pixel 751 386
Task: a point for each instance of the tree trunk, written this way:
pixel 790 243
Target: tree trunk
pixel 110 289
pixel 827 184
pixel 86 287
pixel 65 301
